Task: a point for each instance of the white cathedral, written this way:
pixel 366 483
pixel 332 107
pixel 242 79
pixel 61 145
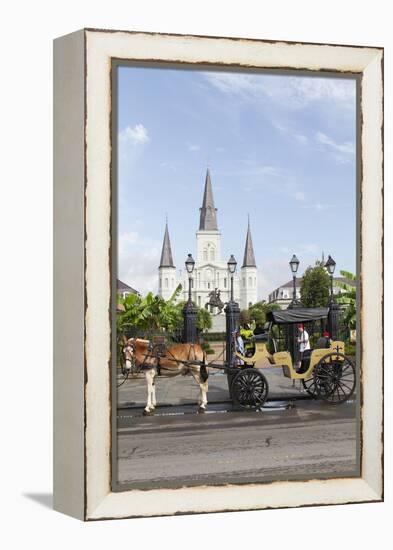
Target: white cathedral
pixel 211 270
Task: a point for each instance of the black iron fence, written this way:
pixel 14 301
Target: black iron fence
pixel 174 336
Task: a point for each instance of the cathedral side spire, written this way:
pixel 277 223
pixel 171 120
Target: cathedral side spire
pixel 166 253
pixel 249 256
pixel 208 216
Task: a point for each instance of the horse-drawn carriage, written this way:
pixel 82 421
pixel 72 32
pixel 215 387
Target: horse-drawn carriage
pixel 325 372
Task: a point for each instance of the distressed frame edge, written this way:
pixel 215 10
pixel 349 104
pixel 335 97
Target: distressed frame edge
pixel 376 491
pixel 69 489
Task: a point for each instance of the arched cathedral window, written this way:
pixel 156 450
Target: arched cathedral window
pixel 205 254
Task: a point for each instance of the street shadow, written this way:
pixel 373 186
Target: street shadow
pixel 45 499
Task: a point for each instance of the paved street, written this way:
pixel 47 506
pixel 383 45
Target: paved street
pixel 183 390
pixel 179 447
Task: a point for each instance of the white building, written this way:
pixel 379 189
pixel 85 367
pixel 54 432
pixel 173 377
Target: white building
pixel 211 271
pixel 283 294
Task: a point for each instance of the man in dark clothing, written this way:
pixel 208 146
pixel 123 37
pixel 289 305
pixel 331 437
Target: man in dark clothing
pixel 259 329
pixel 324 341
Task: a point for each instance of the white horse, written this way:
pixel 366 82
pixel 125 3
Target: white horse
pixel 175 360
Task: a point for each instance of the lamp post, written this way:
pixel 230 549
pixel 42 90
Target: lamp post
pixel 334 308
pixel 232 263
pixel 291 331
pixel 190 264
pixel 294 265
pixel 190 311
pixel 331 266
pixel 232 314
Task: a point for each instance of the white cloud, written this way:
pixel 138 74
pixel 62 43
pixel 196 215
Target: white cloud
pixel 300 138
pixel 299 196
pixel 276 272
pixel 271 275
pixel 138 260
pixel 126 239
pixel 347 147
pixel 137 135
pixel 193 147
pixel 232 83
pixel 252 168
pixel 314 89
pixel 310 248
pixel 317 206
pixel 295 92
pixel 343 152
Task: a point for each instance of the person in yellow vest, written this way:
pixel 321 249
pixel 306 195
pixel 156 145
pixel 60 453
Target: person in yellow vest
pixel 247 333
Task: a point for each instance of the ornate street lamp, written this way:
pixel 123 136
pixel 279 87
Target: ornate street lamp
pixel 334 309
pixel 232 263
pixel 294 265
pixel 232 314
pixel 291 331
pixel 331 266
pixel 190 264
pixel 190 311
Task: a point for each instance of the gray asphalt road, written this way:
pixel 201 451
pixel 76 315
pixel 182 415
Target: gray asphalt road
pixel 174 449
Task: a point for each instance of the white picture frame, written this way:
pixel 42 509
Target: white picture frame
pixel 82 246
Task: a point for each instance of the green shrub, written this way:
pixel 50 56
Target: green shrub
pixel 213 336
pixel 350 348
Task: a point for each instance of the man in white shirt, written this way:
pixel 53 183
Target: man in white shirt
pixel 303 341
pixel 239 346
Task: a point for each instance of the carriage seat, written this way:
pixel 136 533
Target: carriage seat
pixel 321 343
pixel 263 337
pixel 305 361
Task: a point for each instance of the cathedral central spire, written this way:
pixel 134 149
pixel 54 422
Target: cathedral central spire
pixel 208 216
pixel 249 256
pixel 166 252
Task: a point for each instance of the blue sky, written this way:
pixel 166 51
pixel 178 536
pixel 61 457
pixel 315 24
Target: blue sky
pixel 280 148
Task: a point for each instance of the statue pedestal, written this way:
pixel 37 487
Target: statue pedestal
pixel 218 323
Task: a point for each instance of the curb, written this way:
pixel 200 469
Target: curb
pixel 285 398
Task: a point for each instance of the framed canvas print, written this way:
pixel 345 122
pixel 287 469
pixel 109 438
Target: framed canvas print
pixel 218 274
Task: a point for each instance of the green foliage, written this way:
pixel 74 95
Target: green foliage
pixel 214 336
pixel 315 287
pixel 257 312
pixel 154 313
pixel 149 312
pixel 245 317
pixel 347 298
pixel 206 348
pixel 350 349
pixel 204 319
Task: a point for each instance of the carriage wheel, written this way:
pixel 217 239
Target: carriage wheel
pixel 249 389
pixel 335 378
pixel 309 386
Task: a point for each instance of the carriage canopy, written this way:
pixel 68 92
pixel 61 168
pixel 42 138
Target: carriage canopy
pixel 297 315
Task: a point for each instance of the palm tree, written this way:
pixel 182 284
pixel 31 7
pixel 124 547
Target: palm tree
pixel 347 297
pixel 149 312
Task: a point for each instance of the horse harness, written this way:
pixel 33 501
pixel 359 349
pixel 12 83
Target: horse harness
pixel 160 350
